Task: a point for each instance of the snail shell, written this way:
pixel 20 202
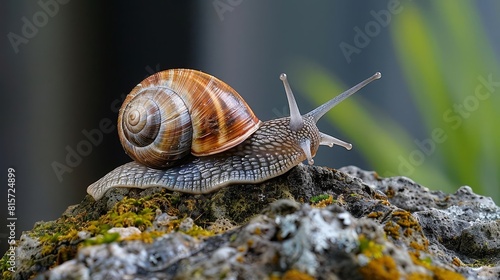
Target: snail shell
pixel 228 143
pixel 180 111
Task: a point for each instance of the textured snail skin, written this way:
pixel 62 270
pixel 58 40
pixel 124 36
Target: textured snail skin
pixel 271 151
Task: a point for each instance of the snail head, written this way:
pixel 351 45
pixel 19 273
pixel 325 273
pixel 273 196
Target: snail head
pixel 297 120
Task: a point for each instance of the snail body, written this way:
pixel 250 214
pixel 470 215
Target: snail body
pixel 243 150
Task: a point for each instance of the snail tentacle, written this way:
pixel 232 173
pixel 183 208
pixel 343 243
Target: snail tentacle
pixel 327 106
pixel 329 141
pixel 296 121
pixel 306 148
pixel 321 110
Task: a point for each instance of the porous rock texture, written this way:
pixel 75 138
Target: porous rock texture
pixel 311 223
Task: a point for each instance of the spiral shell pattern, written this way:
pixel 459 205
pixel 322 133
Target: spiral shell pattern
pixel 180 111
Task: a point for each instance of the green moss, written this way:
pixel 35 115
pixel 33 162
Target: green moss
pixel 233 237
pixel 4 267
pixel 139 213
pixel 324 202
pixel 141 219
pixel 318 198
pixel 105 238
pixel 483 262
pixel 427 261
pixel 146 236
pixel 61 237
pixel 198 231
pixel 7 275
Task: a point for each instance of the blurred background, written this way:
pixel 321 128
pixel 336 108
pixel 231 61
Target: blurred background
pixel 433 117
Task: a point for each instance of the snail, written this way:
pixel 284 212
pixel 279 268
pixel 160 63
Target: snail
pixel 190 132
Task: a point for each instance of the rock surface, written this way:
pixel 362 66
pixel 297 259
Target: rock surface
pixel 311 223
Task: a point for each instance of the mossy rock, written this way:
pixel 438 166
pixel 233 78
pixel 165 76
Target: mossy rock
pixel 376 228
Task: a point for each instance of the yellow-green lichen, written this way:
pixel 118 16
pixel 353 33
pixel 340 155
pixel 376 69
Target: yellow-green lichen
pixel 221 225
pixel 64 236
pixel 198 231
pixel 294 274
pixel 380 196
pixel 321 201
pixel 482 262
pixel 375 215
pixel 392 229
pixel 406 219
pixel 444 274
pixel 436 273
pixel 369 248
pixel 4 266
pixel 383 268
pixel 379 266
pixel 390 192
pixel 402 223
pixel 146 236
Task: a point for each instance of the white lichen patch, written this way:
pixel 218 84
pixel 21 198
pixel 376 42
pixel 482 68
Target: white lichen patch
pixel 312 231
pixel 125 232
pixel 118 260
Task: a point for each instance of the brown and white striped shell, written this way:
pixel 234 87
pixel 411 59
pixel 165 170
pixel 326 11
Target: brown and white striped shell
pixel 180 111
